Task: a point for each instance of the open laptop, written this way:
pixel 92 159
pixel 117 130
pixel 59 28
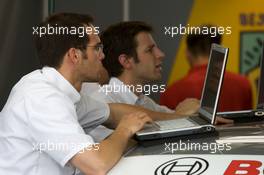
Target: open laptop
pixel 253 114
pixel 204 120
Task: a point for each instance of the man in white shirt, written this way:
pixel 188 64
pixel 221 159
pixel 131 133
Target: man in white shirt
pixel 133 61
pixel 41 130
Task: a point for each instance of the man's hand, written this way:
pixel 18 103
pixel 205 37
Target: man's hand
pixel 221 120
pixel 133 122
pixel 187 107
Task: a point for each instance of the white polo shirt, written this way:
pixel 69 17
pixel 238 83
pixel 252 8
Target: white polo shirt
pixel 107 94
pixel 39 128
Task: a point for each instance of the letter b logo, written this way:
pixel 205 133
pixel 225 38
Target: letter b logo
pixel 245 167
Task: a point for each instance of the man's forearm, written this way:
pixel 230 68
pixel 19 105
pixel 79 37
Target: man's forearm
pixel 112 148
pixel 118 110
pixel 102 160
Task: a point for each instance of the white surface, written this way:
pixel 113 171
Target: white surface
pixel 147 165
pixel 242 139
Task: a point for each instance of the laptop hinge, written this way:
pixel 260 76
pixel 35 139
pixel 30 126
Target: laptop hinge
pixel 260 106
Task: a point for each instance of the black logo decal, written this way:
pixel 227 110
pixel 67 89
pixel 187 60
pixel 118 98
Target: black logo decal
pixel 184 165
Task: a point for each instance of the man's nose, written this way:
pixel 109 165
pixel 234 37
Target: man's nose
pixel 160 54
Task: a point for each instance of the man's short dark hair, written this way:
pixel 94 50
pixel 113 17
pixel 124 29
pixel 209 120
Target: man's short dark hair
pixel 120 39
pixel 52 47
pixel 200 44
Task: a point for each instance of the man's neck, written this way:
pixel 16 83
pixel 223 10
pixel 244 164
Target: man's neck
pixel 199 61
pixel 71 77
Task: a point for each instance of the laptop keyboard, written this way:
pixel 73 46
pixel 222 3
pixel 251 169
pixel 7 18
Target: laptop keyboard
pixel 174 124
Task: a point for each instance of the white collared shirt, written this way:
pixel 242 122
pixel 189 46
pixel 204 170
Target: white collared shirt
pixel 39 128
pixel 107 94
pixel 124 95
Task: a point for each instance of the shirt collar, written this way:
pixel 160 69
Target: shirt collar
pixel 127 95
pixel 58 81
pixel 198 68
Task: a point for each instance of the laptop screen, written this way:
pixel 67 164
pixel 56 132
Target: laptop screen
pixel 213 81
pixel 261 81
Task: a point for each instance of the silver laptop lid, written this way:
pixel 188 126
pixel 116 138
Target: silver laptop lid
pixel 213 82
pixel 260 104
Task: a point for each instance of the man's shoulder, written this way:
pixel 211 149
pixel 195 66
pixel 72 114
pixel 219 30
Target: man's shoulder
pixel 236 81
pixel 113 92
pixel 186 83
pixel 101 93
pixel 32 90
pixel 236 77
pixel 33 85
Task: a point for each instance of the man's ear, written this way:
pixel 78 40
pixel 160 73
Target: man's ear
pixel 189 56
pixel 125 61
pixel 74 55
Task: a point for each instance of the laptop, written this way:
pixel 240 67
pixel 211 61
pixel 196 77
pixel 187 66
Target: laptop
pixel 204 120
pixel 253 114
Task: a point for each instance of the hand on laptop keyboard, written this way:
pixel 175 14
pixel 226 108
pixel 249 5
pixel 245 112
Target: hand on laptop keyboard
pixel 133 122
pixel 187 107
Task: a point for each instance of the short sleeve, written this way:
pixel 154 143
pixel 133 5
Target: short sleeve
pixel 150 104
pixel 91 113
pixel 54 127
pixel 103 95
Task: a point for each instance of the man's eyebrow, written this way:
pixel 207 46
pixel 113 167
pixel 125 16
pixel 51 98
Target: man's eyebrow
pixel 151 46
pixel 98 43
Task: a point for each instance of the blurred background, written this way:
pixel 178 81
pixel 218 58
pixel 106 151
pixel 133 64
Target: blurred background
pixel 245 17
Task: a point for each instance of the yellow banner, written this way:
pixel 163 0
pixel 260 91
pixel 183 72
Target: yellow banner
pixel 246 19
